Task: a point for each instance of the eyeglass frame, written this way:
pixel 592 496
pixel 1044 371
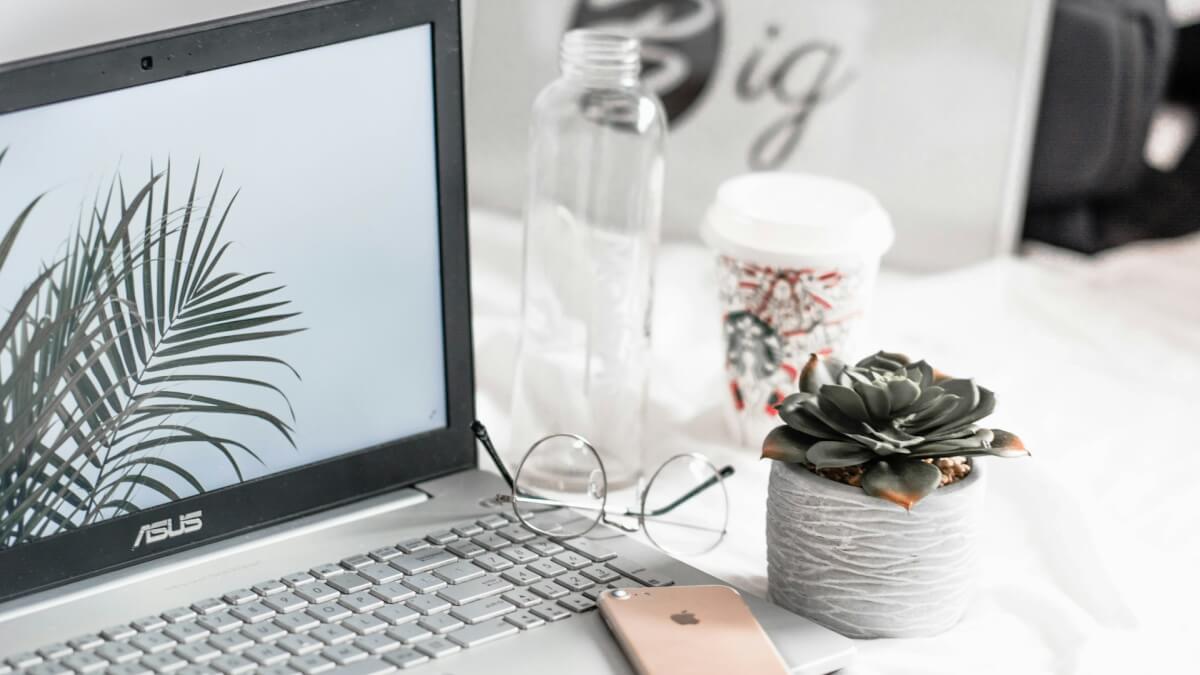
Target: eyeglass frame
pixel 603 512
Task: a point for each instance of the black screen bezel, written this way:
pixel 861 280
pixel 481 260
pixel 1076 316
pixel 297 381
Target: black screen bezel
pixel 238 508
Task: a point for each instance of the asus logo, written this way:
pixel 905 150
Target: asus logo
pixel 163 529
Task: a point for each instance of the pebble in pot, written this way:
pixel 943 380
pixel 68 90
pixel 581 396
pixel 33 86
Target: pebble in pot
pixel 875 493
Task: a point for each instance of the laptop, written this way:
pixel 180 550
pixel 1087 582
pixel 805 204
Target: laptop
pixel 236 374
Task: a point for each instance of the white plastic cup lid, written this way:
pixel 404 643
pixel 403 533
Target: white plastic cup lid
pixel 781 219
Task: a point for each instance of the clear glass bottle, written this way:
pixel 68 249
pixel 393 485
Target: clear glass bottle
pixel 592 221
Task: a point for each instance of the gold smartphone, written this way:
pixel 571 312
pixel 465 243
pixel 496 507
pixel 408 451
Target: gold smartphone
pixel 697 630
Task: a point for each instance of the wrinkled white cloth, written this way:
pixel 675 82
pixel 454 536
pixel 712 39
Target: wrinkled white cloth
pixel 1091 547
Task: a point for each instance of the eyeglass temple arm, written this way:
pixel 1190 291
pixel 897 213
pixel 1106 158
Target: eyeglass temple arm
pixel 723 474
pixel 481 433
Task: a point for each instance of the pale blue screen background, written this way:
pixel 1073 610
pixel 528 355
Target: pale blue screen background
pixel 333 152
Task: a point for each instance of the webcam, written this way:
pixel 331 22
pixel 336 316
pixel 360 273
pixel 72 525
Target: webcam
pixel 147 62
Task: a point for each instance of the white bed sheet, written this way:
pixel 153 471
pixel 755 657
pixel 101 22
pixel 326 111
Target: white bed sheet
pixel 1091 548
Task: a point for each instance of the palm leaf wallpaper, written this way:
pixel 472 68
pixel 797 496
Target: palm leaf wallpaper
pixel 110 357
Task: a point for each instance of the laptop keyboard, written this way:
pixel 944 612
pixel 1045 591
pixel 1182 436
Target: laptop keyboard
pixel 392 608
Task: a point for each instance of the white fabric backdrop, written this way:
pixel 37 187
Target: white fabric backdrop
pixel 1091 546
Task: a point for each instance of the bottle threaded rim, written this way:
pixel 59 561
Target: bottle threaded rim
pixel 601 55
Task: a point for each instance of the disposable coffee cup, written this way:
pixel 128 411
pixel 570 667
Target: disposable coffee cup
pixel 797 257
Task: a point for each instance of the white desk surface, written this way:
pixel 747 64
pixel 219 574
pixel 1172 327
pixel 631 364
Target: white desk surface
pixel 1091 546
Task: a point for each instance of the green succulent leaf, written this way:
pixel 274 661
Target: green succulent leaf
pixel 876 398
pixel 817 372
pixel 1006 444
pixel 902 481
pixel 837 454
pixel 786 445
pixel 903 393
pixel 846 402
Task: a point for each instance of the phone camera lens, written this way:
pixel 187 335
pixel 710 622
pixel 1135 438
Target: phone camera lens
pixel 147 62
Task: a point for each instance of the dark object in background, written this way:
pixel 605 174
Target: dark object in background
pixel 1106 71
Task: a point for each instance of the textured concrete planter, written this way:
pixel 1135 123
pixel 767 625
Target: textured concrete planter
pixel 863 566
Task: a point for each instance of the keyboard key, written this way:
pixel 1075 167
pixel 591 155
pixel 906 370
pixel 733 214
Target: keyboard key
pixel 441 538
pixel 521 576
pixel 119 632
pixel 405 658
pixel 436 648
pixel 395 591
pixel 328 612
pixel 577 603
pixel 491 541
pixel 440 623
pixel 376 643
pixel 519 554
pixel 311 664
pixel 84 662
pixel 285 602
pixel 360 602
pixel 148 623
pixel 184 633
pixel 428 604
pixel 88 641
pixel 55 668
pixel 397 614
pixel 23 660
pixel 413 545
pixel 385 553
pixel 152 642
pixel 544 547
pixel 296 622
pixel 546 568
pixel 458 572
pixel 600 574
pixel 208 606
pixel 465 548
pixel 356 561
pixel 467 530
pixel 263 632
pixel 178 614
pixel 475 590
pixel 266 655
pixel 327 571
pixel 409 633
pixel 525 620
pixel 482 633
pixel 548 590
pixel 550 613
pixel 639 572
pixel 317 593
pixel 197 653
pixel 492 522
pixel 482 610
pixel 572 560
pixel 331 634
pixel 522 598
pixel 380 573
pixel 517 534
pixel 350 583
pixel 494 562
pixel 365 624
pixel 56 650
pixel 231 642
pixel 233 664
pixel 588 549
pixel 370 666
pixel 299 645
pixel 271 587
pixel 240 596
pixel 343 654
pixel 423 561
pixel 574 582
pixel 165 662
pixel 298 579
pixel 253 612
pixel 118 652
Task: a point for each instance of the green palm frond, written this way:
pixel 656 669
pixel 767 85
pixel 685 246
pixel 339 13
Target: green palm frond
pixel 118 356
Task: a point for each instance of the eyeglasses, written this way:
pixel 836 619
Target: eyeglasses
pixel 561 490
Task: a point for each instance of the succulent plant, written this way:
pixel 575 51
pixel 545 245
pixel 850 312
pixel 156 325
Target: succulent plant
pixel 886 414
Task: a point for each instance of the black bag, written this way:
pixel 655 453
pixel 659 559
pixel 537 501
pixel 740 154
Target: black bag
pixel 1106 71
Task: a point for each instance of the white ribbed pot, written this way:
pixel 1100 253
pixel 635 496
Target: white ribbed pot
pixel 865 567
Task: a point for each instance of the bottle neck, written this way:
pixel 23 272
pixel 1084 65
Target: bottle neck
pixel 600 59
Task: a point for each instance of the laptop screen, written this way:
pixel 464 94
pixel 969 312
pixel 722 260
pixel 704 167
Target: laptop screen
pixel 222 276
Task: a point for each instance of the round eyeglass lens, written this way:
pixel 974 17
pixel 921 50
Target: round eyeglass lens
pixel 560 488
pixel 686 506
